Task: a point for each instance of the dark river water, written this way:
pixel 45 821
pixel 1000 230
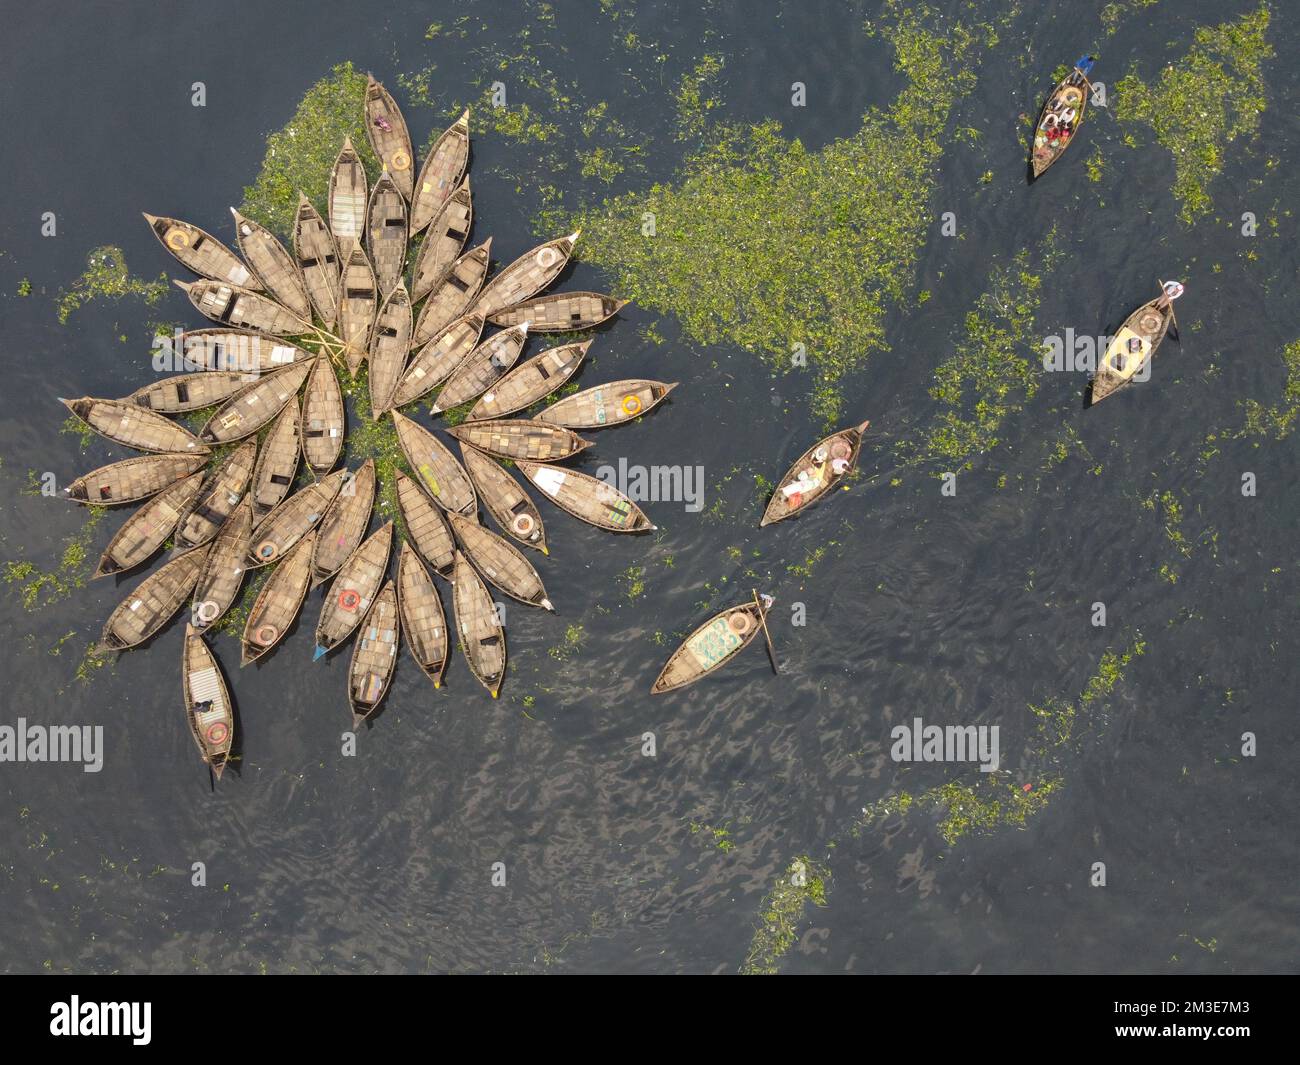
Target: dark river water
pixel 960 609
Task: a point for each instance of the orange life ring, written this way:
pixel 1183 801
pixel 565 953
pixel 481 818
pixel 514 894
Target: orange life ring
pixel 1150 322
pixel 217 734
pixel 177 238
pixel 546 257
pixel 840 449
pixel 267 550
pixel 349 599
pixel 631 405
pixel 523 524
pixel 266 635
pixel 739 622
pixel 400 161
pixel 207 611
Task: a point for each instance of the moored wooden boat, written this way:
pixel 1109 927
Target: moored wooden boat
pixel 586 498
pixel 344 525
pixel 1133 346
pixel 374 655
pixel 452 296
pixel 324 418
pixel 234 350
pixel 292 520
pixel 436 361
pixel 152 603
pixel 500 562
pixel 817 471
pixel 201 252
pixel 606 405
pixel 223 570
pixel 561 312
pixel 278 601
pixel 436 467
pixel 389 346
pixel 424 624
pixel 275 268
pixel 277 461
pixel 482 368
pixel 1061 117
pixel 207 702
pixel 318 259
pixel 357 306
pixel 221 493
pixel 531 381
pixel 386 233
pixel 247 411
pixel 146 530
pixel 348 196
pixel 353 590
pixel 426 526
pixel 519 438
pixel 133 479
pixel 526 276
pixel 510 506
pixel 441 173
pixel 481 636
pixel 190 391
pixel 389 138
pixel 443 242
pixel 712 645
pixel 242 308
pixel 123 422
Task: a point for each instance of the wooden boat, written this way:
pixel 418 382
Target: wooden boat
pixel 374 656
pixel 531 381
pixel 436 361
pixel 221 494
pixel 500 562
pixel 586 498
pixel 247 411
pixel 242 308
pixel 357 307
pixel 324 418
pixel 443 242
pixel 349 194
pixel 153 602
pixel 441 173
pixel 146 530
pixel 426 526
pixel 353 590
pixel 818 470
pixel 318 259
pixel 207 702
pixel 518 438
pixel 510 506
pixel 712 645
pixel 277 461
pixel 452 296
pixel 134 479
pixel 343 527
pixel 1133 347
pixel 229 350
pixel 423 622
pixel 278 602
pixel 223 571
pixel 190 391
pixel 121 421
pixel 1064 111
pixel 436 467
pixel 561 312
pixel 276 270
pixel 386 129
pixel 481 636
pixel 389 346
pixel 386 233
pixel 526 276
pixel 482 368
pixel 606 405
pixel 201 252
pixel 292 520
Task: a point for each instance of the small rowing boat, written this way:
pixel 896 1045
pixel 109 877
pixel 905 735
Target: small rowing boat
pixel 1061 117
pixel 452 295
pixel 233 350
pixel 482 637
pixel 500 562
pixel 242 308
pixel 388 135
pixel 818 470
pixel 426 526
pixel 123 422
pixel 348 196
pixel 510 506
pixel 389 346
pixel 374 656
pixel 357 307
pixel 190 391
pixel 1129 354
pixel 606 405
pixel 531 381
pixel 561 312
pixel 519 438
pixel 437 468
pixel 223 570
pixel 145 530
pixel 441 173
pixel 318 259
pixel 277 461
pixel 220 496
pixel 587 498
pixel 713 645
pixel 386 233
pixel 353 590
pixel 247 411
pixel 438 359
pixel 278 602
pixel 481 368
pixel 323 418
pixel 201 252
pixel 292 520
pixel 344 525
pixel 207 702
pixel 443 242
pixel 275 268
pixel 526 276
pixel 424 624
pixel 132 480
pixel 153 602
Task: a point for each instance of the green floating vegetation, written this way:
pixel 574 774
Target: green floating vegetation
pixel 1058 720
pixel 37 587
pixel 767 245
pixel 802 882
pixel 1278 421
pixel 301 155
pixel 25 287
pixel 574 637
pixel 106 277
pixel 1115 13
pixel 989 804
pixel 1200 105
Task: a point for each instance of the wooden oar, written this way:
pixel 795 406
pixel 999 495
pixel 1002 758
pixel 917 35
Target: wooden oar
pixel 762 620
pixel 1173 317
